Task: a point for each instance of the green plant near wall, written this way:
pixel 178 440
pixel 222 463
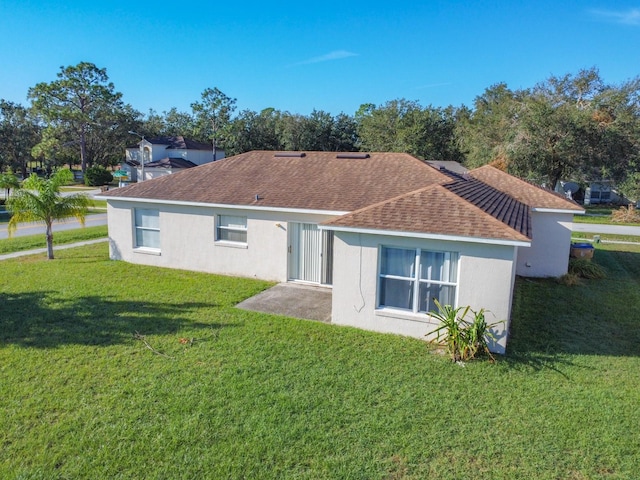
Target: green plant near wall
pixel 465 339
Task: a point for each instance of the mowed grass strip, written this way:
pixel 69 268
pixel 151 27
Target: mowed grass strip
pixel 29 242
pixel 239 394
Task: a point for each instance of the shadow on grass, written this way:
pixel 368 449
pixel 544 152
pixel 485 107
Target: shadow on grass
pixel 37 320
pixel 597 317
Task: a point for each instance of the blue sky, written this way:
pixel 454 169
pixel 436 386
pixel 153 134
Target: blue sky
pixel 330 55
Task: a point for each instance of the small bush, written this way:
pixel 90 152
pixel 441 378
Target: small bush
pixel 584 268
pixel 627 214
pixel 96 176
pixel 464 339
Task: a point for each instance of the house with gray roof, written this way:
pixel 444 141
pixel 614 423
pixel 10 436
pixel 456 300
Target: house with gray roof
pixel 386 232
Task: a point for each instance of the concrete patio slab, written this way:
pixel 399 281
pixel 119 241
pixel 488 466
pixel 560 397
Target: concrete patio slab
pixel 293 300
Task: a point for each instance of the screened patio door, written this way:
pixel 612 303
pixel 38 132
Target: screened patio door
pixel 310 253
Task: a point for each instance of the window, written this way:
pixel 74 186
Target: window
pixel 410 279
pixel 232 229
pixel 147 225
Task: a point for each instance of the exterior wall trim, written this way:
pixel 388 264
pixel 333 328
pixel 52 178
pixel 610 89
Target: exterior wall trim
pixel 222 205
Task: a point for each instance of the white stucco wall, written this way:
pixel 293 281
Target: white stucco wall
pixel 151 173
pixel 486 279
pixel 548 255
pixel 187 240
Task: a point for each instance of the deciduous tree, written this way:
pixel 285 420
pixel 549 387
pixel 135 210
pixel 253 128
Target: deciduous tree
pixel 19 132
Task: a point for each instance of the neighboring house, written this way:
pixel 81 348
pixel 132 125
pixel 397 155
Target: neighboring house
pixel 388 232
pixel 599 192
pixel 167 155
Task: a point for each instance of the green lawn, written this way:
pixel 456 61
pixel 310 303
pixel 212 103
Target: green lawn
pixel 18 244
pixel 606 237
pixel 246 395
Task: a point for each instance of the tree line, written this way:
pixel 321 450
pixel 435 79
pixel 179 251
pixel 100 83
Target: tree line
pixel 571 127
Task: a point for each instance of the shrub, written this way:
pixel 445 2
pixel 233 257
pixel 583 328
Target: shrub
pixel 585 268
pixel 464 339
pixel 627 214
pixel 96 176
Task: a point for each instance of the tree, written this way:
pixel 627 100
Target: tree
pixel 404 126
pixel 40 201
pixel 576 127
pixel 7 182
pixel 18 134
pixel 254 131
pixel 567 127
pixel 213 116
pixel 82 101
pixel 484 133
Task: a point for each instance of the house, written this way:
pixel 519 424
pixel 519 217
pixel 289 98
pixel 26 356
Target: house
pixel 386 231
pixel 167 155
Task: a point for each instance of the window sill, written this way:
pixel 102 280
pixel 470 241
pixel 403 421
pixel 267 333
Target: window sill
pixel 222 243
pixel 403 315
pixel 147 251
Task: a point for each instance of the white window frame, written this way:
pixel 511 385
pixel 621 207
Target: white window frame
pixel 137 228
pixel 415 280
pixel 221 225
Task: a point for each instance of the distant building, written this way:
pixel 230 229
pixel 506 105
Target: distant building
pixel 167 155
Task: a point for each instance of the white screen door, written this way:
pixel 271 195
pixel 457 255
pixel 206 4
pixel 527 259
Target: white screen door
pixel 310 253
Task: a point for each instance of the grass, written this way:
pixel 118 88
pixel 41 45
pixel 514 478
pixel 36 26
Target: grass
pixel 605 236
pixel 600 220
pixel 18 244
pixel 599 214
pixel 253 395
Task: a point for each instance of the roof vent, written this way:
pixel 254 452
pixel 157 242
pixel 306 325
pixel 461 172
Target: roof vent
pixel 353 155
pixel 290 154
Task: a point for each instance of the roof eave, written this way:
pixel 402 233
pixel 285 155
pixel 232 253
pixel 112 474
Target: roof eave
pixel 557 210
pixel 222 205
pixel 428 236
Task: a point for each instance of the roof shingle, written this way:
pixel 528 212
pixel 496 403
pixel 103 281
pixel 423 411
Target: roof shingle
pixel 422 211
pixel 317 181
pixel 525 192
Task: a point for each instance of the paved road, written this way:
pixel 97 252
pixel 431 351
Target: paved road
pixel 610 229
pixel 24 229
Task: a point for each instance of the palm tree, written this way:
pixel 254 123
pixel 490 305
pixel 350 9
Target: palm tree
pixel 9 181
pixel 40 201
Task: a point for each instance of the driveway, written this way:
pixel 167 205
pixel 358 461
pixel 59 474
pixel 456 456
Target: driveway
pixel 292 300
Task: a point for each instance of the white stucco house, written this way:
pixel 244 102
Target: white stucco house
pixel 167 155
pixel 386 231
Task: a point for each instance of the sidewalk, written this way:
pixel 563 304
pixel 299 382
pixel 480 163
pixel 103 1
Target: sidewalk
pixel 36 251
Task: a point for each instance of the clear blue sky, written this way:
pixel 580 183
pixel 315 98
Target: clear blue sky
pixel 329 55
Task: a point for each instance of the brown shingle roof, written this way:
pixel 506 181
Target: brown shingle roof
pixel 317 181
pixel 525 192
pixel 433 210
pixel 499 205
